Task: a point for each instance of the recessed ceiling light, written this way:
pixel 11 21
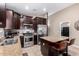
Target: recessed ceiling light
pixel 44 9
pixel 27 7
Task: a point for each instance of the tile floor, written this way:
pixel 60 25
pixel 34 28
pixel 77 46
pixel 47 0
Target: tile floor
pixel 35 51
pixel 32 51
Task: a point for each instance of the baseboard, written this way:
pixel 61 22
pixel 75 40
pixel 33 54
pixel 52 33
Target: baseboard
pixel 75 46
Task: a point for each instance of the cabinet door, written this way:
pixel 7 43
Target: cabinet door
pixel 16 21
pixel 9 16
pixel 28 20
pixel 2 15
pixel 41 20
pixel 35 25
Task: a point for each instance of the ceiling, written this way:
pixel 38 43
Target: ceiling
pixel 36 9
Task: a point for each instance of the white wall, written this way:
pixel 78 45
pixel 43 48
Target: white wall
pixel 71 15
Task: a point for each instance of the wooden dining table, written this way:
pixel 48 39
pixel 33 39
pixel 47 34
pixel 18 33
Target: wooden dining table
pixel 50 41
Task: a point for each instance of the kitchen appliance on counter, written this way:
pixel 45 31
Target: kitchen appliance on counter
pixel 41 31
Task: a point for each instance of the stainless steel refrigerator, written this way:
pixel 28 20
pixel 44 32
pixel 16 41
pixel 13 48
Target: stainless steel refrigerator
pixel 42 31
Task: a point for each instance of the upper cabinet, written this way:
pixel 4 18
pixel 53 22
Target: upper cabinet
pixel 12 20
pixel 16 21
pixel 9 17
pixel 2 15
pixel 28 20
pixel 40 20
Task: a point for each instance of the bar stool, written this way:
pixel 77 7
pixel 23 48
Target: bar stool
pixel 71 42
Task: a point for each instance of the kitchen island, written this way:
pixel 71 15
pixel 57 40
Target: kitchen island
pixel 49 41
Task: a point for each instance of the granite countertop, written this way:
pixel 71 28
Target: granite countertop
pixel 53 38
pixel 7 41
pixel 10 41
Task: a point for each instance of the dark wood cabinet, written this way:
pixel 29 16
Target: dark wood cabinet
pixel 40 20
pixel 9 16
pixel 12 20
pixel 2 15
pixel 28 20
pixel 16 21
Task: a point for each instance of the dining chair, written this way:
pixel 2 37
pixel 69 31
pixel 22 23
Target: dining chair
pixel 71 42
